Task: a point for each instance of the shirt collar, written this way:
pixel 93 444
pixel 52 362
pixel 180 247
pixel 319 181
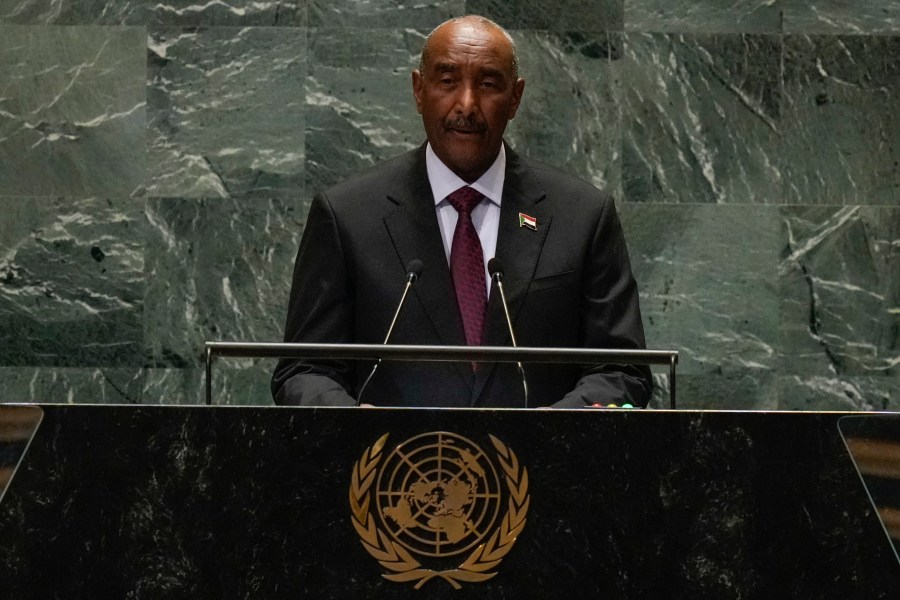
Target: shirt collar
pixel 444 181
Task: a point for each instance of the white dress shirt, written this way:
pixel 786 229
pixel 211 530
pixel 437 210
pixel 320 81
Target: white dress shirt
pixel 485 216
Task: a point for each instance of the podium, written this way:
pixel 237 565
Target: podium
pixel 274 502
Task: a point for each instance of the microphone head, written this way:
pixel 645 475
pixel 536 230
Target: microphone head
pixel 414 269
pixel 495 268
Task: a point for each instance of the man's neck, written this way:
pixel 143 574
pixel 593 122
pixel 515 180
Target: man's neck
pixel 444 181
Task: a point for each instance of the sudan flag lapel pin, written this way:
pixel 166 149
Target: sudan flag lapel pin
pixel 527 221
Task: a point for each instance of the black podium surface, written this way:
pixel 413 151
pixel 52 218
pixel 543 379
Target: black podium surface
pixel 217 502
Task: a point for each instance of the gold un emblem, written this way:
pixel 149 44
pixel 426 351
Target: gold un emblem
pixel 436 507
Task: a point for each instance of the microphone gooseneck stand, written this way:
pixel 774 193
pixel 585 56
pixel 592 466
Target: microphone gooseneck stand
pixel 414 269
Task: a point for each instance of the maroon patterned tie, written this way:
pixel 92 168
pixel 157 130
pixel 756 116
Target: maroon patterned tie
pixel 467 265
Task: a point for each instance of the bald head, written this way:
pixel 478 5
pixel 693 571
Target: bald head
pixel 467 89
pixel 478 22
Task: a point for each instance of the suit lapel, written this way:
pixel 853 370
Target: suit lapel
pixel 413 228
pixel 518 250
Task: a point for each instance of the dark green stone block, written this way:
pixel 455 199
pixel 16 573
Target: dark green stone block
pixel 216 270
pixel 383 13
pixel 71 282
pixel 701 118
pixel 71 385
pixel 185 13
pixel 74 12
pixel 708 283
pixel 703 16
pixel 226 112
pixel 72 111
pixel 562 15
pixel 841 16
pixel 359 113
pixel 840 289
pixel 842 120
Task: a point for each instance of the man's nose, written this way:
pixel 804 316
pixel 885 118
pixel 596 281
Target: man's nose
pixel 467 100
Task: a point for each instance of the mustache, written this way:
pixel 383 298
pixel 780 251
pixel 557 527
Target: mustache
pixel 463 123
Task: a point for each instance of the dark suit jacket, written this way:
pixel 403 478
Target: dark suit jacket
pixel 568 284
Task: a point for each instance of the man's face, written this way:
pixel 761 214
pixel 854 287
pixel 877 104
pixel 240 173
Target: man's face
pixel 466 95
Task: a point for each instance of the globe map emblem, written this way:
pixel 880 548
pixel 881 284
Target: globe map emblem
pixel 438 494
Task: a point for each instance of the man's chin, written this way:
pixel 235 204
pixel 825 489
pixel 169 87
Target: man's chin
pixel 466 156
pixel 468 169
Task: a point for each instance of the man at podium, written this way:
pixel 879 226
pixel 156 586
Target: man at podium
pixel 443 211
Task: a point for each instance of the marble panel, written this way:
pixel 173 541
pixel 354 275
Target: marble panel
pixel 272 13
pixel 735 389
pixel 701 118
pixel 216 270
pixel 74 12
pixel 71 282
pixel 821 392
pixel 561 15
pixel 703 16
pixel 841 121
pixel 226 112
pixel 359 113
pixel 569 115
pixel 840 290
pixel 708 284
pixel 383 13
pixel 174 386
pixel 841 16
pixel 70 385
pixel 72 110
pixel 241 382
pixel 659 396
pixel 236 382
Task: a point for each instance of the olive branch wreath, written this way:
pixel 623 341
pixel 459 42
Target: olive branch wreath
pixel 405 568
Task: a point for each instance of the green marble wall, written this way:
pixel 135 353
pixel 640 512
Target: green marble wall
pixel 157 159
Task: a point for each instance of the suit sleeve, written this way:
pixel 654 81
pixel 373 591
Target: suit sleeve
pixel 320 310
pixel 610 318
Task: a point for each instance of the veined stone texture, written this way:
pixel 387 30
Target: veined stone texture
pixel 71 385
pixel 359 112
pixel 559 16
pixel 840 16
pixel 74 12
pixel 226 112
pixel 703 16
pixel 156 162
pixel 72 110
pixel 71 282
pixel 748 389
pixel 707 289
pixel 819 392
pixel 840 321
pixel 842 112
pixel 235 382
pixel 840 293
pixel 701 118
pixel 270 13
pixel 383 14
pixel 574 77
pixel 216 270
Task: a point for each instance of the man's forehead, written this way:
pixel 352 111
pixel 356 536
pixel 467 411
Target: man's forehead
pixel 463 42
pixel 449 66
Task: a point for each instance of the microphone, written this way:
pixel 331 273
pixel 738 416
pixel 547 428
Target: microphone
pixel 414 269
pixel 495 268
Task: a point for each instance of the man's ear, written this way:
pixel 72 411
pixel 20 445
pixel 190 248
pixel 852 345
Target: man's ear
pixel 518 90
pixel 418 83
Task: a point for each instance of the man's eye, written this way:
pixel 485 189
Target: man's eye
pixel 489 83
